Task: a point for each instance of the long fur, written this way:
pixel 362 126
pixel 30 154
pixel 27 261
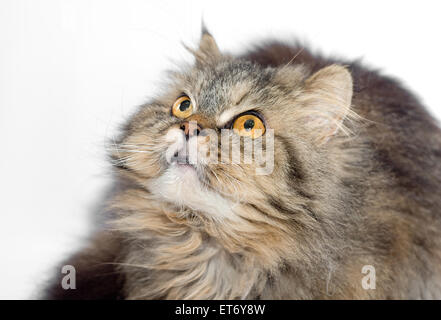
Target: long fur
pixel 357 181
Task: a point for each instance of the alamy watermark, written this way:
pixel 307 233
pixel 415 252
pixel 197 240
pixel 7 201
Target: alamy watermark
pixel 69 281
pixel 369 280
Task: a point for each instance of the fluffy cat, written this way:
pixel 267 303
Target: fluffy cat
pixel 356 181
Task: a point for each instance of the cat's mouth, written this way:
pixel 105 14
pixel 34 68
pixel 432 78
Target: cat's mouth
pixel 185 167
pixel 182 159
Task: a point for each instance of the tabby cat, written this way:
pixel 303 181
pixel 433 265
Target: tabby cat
pixel 354 182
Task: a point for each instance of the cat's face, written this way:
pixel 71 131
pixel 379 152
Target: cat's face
pixel 229 133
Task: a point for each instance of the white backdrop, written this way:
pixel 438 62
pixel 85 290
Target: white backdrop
pixel 72 70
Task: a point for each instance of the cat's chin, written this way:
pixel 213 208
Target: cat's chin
pixel 176 182
pixel 180 185
pixel 180 177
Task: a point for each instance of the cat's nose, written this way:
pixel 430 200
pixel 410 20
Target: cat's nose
pixel 191 128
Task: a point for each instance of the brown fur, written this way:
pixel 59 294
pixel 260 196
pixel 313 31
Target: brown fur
pixel 357 181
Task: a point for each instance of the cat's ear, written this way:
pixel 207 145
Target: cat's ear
pixel 208 51
pixel 326 101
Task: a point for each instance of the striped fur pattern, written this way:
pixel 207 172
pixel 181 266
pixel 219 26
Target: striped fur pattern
pixel 356 181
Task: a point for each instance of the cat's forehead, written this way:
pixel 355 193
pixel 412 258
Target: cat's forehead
pixel 220 87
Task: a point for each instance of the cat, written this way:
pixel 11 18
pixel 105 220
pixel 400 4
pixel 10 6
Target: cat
pixel 355 183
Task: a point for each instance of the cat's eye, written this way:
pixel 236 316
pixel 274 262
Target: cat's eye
pixel 249 125
pixel 182 108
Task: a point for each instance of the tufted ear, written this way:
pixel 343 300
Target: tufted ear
pixel 208 50
pixel 325 101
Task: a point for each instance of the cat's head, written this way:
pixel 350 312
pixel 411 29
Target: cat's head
pixel 230 139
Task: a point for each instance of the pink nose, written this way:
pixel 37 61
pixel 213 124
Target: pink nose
pixel 190 129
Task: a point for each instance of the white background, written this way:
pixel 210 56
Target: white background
pixel 70 71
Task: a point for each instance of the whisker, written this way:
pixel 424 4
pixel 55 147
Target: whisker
pixel 295 56
pixel 137 151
